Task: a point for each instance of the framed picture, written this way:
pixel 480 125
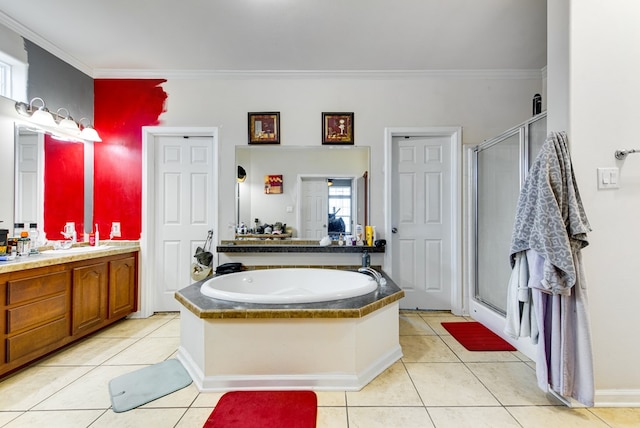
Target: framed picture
pixel 337 128
pixel 273 184
pixel 264 128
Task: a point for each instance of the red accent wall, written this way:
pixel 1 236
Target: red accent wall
pixel 64 187
pixel 122 107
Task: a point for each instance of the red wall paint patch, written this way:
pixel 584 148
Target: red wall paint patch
pixel 64 187
pixel 122 107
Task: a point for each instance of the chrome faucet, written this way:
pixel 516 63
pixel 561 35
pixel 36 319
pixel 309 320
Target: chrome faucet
pixel 72 236
pixel 377 276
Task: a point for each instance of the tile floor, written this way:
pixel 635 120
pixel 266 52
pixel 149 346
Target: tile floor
pixel 436 384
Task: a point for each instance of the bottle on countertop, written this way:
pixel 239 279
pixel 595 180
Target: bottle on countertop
pixel 33 237
pixel 97 236
pixel 24 244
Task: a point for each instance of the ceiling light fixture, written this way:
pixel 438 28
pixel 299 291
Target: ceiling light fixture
pixel 60 124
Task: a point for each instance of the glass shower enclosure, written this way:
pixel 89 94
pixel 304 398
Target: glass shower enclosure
pixel 499 169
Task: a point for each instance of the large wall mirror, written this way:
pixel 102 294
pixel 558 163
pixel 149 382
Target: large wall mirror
pixel 323 190
pixel 67 169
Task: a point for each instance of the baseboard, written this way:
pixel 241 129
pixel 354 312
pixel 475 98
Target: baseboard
pixel 617 398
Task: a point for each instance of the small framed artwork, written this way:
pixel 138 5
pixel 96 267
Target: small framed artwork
pixel 273 184
pixel 337 128
pixel 264 128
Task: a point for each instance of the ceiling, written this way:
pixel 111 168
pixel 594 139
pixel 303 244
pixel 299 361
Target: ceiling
pixel 151 37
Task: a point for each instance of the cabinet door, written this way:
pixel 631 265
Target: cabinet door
pixel 89 296
pixel 122 287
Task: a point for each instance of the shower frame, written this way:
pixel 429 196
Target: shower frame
pixel 484 294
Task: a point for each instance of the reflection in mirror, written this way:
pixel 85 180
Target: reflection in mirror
pixel 67 168
pixel 29 176
pixel 307 200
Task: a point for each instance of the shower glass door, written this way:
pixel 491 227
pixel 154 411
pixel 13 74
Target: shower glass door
pixel 500 167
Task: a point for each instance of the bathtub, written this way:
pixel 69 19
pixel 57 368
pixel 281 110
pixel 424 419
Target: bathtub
pixel 289 285
pixel 334 345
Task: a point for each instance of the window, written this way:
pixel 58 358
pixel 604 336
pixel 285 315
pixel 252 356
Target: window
pixel 5 79
pixel 340 200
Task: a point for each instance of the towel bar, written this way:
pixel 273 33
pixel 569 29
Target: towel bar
pixel 621 154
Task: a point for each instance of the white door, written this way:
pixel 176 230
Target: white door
pixel 421 220
pixel 183 211
pixel 314 212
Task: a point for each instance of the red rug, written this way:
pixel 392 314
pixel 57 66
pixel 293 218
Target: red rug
pixel 476 337
pixel 265 409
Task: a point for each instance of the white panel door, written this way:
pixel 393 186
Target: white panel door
pixel 314 212
pixel 183 211
pixel 421 219
pixel 29 176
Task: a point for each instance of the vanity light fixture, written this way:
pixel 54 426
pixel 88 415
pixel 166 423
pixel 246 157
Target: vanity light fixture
pixel 60 124
pixel 41 116
pixel 88 132
pixel 67 123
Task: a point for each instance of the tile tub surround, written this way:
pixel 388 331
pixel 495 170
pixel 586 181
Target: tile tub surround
pixel 309 345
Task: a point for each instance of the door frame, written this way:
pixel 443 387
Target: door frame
pixel 147 238
pixel 454 133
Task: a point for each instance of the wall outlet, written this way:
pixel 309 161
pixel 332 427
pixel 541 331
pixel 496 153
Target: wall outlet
pixel 115 229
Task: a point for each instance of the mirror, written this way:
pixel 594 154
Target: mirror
pixel 301 197
pixel 68 170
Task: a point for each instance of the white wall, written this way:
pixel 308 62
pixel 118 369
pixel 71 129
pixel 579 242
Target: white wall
pixel 483 107
pixel 602 113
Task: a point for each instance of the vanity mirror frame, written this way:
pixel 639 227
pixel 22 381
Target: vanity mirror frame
pixel 348 162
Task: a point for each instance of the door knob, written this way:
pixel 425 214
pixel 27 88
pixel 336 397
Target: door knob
pixel 394 230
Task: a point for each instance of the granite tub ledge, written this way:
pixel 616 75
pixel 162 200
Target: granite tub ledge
pixel 291 246
pixel 355 307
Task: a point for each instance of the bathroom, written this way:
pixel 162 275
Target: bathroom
pixel 599 110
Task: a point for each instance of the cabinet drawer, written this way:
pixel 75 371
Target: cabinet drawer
pixel 23 290
pixel 36 313
pixel 37 341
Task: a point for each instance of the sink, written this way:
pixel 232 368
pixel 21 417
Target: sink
pixel 76 250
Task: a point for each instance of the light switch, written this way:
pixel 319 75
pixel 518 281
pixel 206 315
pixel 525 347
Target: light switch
pixel 289 208
pixel 608 178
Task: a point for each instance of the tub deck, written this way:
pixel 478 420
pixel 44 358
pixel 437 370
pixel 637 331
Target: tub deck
pixel 354 307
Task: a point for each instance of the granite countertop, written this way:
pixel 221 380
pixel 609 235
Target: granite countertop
pixel 354 307
pixel 49 258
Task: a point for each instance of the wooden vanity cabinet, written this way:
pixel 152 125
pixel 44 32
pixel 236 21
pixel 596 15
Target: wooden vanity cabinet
pixel 43 309
pixel 90 297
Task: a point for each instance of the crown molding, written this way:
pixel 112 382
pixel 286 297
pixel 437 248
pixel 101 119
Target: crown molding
pixel 317 74
pixel 23 31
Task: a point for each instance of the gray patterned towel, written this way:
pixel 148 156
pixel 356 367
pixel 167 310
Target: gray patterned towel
pixel 550 218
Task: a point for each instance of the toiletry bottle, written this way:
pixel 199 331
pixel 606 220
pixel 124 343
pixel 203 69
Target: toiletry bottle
pixel 97 236
pixel 92 238
pixel 24 245
pixel 368 233
pixel 33 236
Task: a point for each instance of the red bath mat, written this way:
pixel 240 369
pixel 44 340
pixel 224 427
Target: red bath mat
pixel 265 409
pixel 476 337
